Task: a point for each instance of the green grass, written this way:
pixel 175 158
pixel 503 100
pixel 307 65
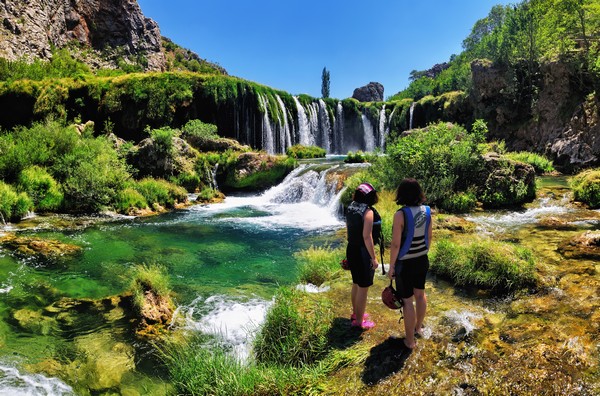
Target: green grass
pixel 299 151
pixel 540 163
pixel 317 265
pixel 148 277
pixel 485 264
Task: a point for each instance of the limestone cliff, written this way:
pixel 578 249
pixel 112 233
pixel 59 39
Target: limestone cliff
pixel 113 29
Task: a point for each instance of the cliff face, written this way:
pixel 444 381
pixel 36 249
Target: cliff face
pixel 560 120
pixel 117 28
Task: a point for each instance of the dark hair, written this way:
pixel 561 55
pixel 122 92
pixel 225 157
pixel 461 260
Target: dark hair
pixel 370 198
pixel 409 193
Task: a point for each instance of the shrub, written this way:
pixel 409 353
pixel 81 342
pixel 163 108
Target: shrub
pixel 485 264
pixel 197 130
pixel 318 264
pixel 507 184
pixel 461 202
pixel 128 199
pixel 163 141
pixel 540 163
pixel 299 151
pixel 295 330
pixel 265 176
pixel 41 188
pixel 189 181
pixel 13 206
pixel 586 187
pixel 161 192
pixel 359 157
pixel 444 158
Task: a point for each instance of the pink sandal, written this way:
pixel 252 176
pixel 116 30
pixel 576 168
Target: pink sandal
pixel 353 316
pixel 365 325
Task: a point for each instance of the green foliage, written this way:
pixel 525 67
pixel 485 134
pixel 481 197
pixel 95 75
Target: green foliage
pixel 61 65
pixel 445 159
pixel 295 330
pixel 351 183
pixel 196 130
pixel 91 175
pixel 148 277
pixel 41 187
pixel 163 141
pixel 299 151
pixel 462 202
pixel 485 264
pixel 586 187
pixel 359 157
pixel 540 163
pixel 187 180
pixel 13 205
pixel 265 176
pixel 128 199
pixel 503 187
pixel 161 192
pixel 317 265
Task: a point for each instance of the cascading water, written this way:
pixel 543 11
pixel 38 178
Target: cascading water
pixel 382 130
pixel 369 134
pixel 285 136
pixel 303 126
pixel 338 136
pixel 325 126
pixel 267 131
pixel 410 117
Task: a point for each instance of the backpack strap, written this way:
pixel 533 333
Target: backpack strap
pixel 427 222
pixel 409 225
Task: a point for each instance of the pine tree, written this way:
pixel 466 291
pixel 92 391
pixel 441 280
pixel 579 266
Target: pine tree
pixel 325 83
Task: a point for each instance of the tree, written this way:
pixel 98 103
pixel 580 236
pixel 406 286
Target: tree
pixel 325 83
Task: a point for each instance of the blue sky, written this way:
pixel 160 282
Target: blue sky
pixel 285 44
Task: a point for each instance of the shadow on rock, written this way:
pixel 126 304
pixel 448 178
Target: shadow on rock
pixel 341 335
pixel 385 359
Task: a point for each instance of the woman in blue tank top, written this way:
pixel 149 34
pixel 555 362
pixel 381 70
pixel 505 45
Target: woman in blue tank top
pixel 411 237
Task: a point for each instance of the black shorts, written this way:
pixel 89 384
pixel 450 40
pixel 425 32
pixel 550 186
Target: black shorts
pixel 411 274
pixel 359 261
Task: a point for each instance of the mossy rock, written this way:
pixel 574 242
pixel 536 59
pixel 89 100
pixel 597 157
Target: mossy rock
pixel 505 182
pixel 43 249
pixel 254 171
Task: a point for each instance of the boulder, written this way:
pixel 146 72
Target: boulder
pixel 583 246
pixel 219 145
pixel 504 182
pixel 372 92
pixel 44 249
pixel 150 159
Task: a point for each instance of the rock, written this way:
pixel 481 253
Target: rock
pixel 44 249
pixel 34 321
pixel 219 145
pixel 31 28
pixel 505 182
pixel 155 315
pixel 584 246
pixel 372 92
pixel 253 171
pixel 152 161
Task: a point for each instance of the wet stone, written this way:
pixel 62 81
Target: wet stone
pixel 586 245
pixel 34 322
pixel 44 249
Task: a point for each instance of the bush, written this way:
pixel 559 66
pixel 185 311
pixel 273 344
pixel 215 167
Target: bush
pixel 485 264
pixel 299 151
pixel 462 202
pixel 540 163
pixel 444 159
pixel 295 330
pixel 189 181
pixel 161 192
pixel 586 187
pixel 359 157
pixel 13 206
pixel 197 130
pixel 41 188
pixel 128 199
pixel 318 264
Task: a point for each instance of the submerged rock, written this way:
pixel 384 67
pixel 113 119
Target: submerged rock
pixel 45 249
pixel 34 321
pixel 586 245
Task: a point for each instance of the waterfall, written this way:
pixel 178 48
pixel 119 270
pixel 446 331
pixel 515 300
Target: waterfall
pixel 382 130
pixel 368 134
pixel 267 131
pixel 410 120
pixel 215 186
pixel 324 126
pixel 313 122
pixel 303 127
pixel 285 136
pixel 338 136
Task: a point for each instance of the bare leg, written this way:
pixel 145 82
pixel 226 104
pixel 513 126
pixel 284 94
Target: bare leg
pixel 354 293
pixel 409 322
pixel 360 303
pixel 421 307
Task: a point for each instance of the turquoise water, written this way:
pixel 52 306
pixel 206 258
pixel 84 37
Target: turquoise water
pixel 224 261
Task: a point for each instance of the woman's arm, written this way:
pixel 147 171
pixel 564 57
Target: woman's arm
pixel 397 228
pixel 368 236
